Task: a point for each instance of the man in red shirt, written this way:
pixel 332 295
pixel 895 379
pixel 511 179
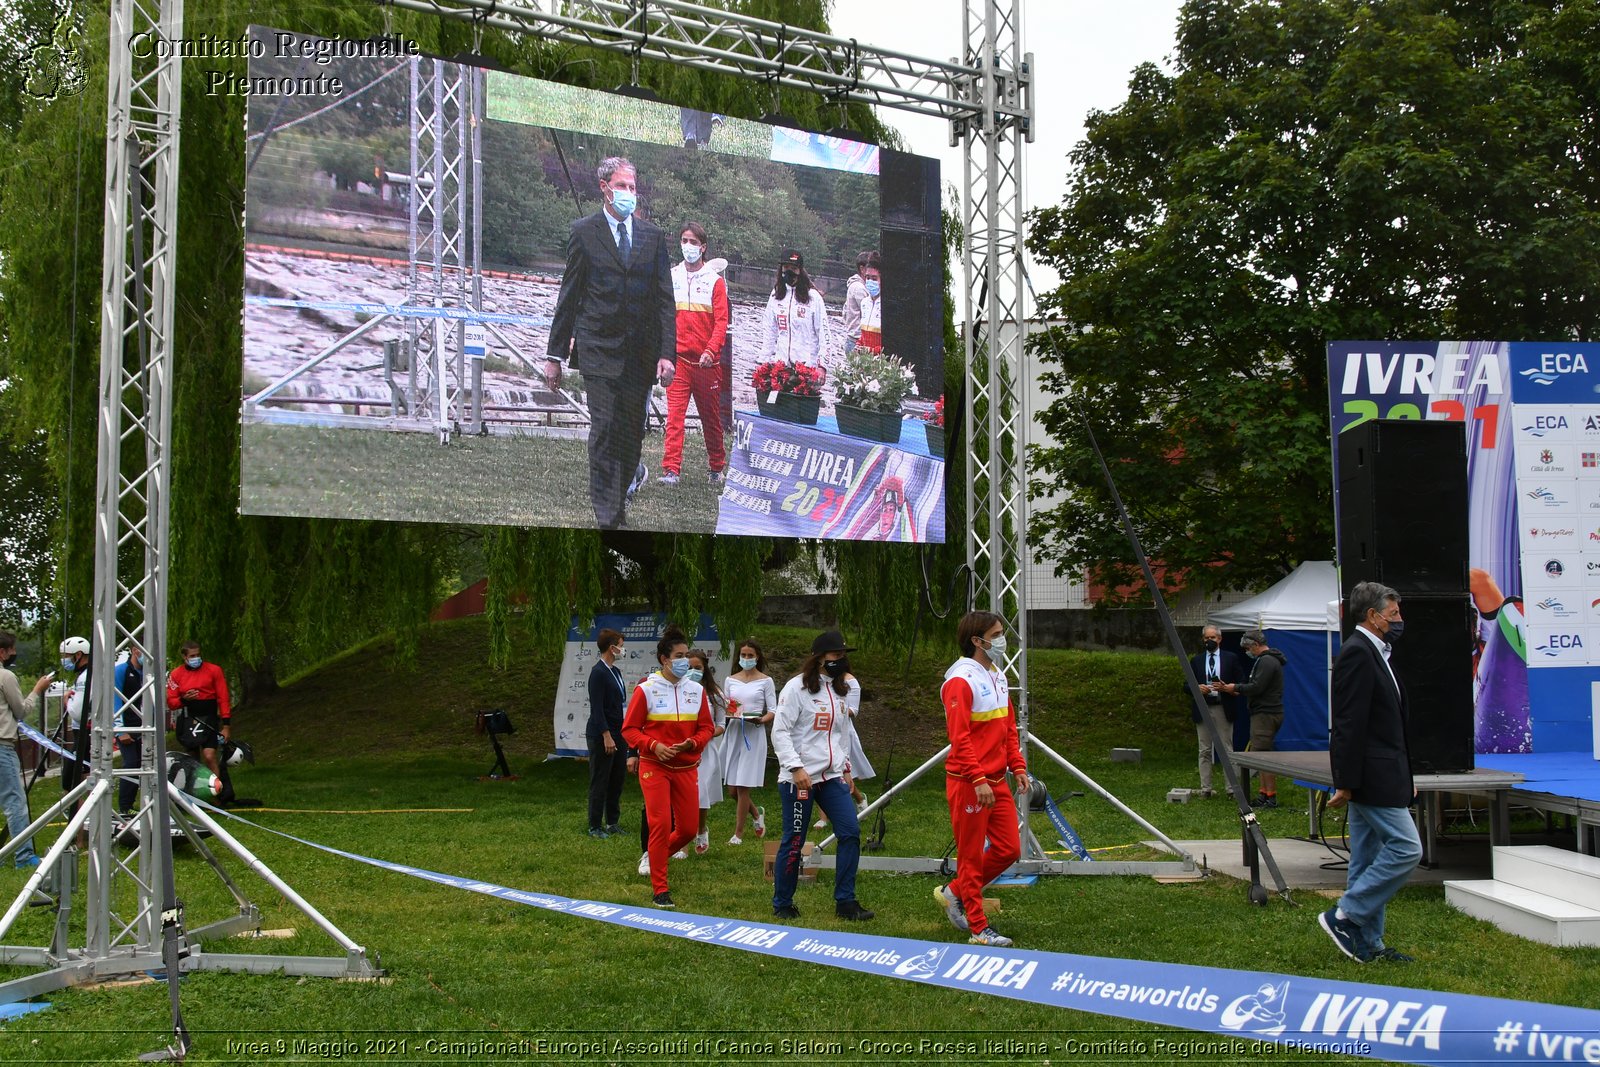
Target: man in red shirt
pixel 198 691
pixel 983 743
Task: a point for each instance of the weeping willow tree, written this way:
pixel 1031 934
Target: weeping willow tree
pixel 269 596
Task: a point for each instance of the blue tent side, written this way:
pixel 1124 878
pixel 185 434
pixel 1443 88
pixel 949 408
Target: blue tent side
pixel 1305 688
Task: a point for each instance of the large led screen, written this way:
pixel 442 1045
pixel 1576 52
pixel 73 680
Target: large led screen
pixel 473 297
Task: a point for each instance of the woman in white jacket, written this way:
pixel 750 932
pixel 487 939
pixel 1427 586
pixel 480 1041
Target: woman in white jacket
pixel 810 735
pixel 796 320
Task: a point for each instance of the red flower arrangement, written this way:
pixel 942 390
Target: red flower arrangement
pixel 801 379
pixel 936 416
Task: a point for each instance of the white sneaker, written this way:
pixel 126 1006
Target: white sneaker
pixel 735 840
pixel 680 855
pixel 702 842
pixel 952 908
pixel 861 808
pixel 667 479
pixel 761 822
pixel 991 937
pixel 644 864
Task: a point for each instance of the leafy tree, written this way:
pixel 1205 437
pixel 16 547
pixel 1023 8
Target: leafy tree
pixel 1314 170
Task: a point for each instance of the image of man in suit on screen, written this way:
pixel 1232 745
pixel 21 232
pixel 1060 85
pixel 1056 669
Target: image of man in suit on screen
pixel 1372 774
pixel 615 321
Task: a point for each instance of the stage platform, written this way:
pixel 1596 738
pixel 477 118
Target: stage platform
pixel 1560 783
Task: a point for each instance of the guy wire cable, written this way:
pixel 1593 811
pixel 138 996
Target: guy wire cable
pixel 1247 816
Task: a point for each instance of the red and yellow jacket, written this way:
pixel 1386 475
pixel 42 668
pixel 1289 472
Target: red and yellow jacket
pixel 659 711
pixel 981 722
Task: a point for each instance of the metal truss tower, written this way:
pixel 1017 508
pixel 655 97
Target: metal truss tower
pixel 131 921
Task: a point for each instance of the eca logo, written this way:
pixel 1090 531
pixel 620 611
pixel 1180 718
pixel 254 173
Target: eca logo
pixel 1558 643
pixel 1554 364
pixel 1543 424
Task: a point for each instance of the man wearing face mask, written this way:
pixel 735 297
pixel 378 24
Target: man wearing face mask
pixel 703 311
pixel 863 310
pixel 14 709
pixel 198 691
pixel 615 322
pixel 1264 688
pixel 75 660
pixel 1213 666
pixel 1372 774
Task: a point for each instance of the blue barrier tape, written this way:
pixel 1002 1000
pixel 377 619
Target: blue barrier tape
pixel 1069 836
pixel 1250 1011
pixel 409 311
pixel 44 742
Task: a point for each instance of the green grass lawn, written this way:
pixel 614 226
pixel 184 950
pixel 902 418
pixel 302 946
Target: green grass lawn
pixel 356 740
pixel 498 479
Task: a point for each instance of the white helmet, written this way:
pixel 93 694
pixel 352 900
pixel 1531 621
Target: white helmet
pixel 74 645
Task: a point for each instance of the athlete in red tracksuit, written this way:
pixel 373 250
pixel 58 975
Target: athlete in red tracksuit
pixel 703 312
pixel 668 722
pixel 983 743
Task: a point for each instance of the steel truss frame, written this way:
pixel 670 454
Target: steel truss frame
pixel 131 920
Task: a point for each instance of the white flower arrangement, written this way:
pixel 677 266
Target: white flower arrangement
pixel 873 381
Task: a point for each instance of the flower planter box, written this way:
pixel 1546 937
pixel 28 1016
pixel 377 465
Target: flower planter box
pixel 935 439
pixel 790 407
pixel 873 425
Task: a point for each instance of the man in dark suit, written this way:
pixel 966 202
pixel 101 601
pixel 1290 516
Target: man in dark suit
pixel 1372 774
pixel 616 322
pixel 608 752
pixel 1213 668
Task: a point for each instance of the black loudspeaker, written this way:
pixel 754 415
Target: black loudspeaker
pixel 1403 505
pixel 912 245
pixel 1434 663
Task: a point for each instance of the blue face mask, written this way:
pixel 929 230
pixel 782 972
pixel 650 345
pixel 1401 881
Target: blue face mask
pixel 691 253
pixel 748 664
pixel 68 664
pixel 695 674
pixel 680 666
pixel 623 201
pixel 193 663
pixel 873 288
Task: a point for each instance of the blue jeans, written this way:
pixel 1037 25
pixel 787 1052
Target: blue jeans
pixel 14 801
pixel 1384 850
pixel 834 798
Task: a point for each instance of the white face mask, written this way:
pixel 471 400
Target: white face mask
pixel 691 252
pixel 997 646
pixel 748 664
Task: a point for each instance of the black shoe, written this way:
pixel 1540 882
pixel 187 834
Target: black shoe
pixel 1264 801
pixel 613 829
pixel 595 831
pixel 663 900
pixel 852 911
pixel 1391 955
pixel 786 912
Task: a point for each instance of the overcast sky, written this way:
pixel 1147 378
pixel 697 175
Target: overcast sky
pixel 1083 50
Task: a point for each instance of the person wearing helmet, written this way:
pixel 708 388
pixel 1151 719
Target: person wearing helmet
pixel 13 709
pixel 75 660
pixel 198 691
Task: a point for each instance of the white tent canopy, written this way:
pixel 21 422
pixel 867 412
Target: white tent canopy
pixel 1299 602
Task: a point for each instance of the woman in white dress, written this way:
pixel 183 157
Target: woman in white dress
pixel 752 699
pixel 711 763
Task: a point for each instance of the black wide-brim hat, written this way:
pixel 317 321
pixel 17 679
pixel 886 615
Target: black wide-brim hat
pixel 830 641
